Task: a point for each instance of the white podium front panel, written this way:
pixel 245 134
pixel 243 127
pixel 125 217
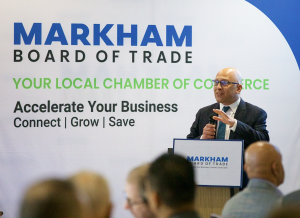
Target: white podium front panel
pixel 216 162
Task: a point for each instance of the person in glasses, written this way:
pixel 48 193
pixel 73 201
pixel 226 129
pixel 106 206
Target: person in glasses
pixel 235 118
pixel 242 120
pixel 134 193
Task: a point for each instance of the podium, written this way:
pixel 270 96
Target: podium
pixel 218 166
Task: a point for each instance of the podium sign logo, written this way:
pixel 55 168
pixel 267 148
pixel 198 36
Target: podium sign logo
pixel 216 162
pixel 208 162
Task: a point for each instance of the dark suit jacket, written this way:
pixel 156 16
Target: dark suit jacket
pixel 251 123
pixel 292 199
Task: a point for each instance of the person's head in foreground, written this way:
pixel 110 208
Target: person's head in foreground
pixel 96 194
pixel 170 187
pixel 52 198
pixel 265 171
pixel 286 212
pixel 136 200
pixel 263 161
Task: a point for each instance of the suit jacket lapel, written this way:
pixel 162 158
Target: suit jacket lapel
pixel 216 106
pixel 239 115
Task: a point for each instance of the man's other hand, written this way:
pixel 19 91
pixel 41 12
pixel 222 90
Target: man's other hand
pixel 209 132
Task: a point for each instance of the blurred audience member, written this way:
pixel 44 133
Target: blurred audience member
pixel 136 201
pixel 286 212
pixel 95 189
pixel 265 171
pixel 292 199
pixel 51 199
pixel 170 187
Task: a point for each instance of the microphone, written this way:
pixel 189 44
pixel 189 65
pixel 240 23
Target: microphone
pixel 211 120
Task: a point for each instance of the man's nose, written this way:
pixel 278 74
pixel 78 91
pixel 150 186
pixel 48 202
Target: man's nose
pixel 219 86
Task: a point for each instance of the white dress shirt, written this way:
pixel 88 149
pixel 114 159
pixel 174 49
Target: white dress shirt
pixel 231 113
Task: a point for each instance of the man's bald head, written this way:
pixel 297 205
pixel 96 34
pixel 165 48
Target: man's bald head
pixel 233 74
pixel 96 190
pixel 263 161
pixel 230 93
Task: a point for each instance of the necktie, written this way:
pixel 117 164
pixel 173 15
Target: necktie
pixel 222 126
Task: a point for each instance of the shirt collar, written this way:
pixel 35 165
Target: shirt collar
pixel 232 106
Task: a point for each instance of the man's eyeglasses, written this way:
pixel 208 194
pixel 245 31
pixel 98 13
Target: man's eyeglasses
pixel 132 203
pixel 223 83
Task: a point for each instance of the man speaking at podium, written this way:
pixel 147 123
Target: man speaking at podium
pixel 233 117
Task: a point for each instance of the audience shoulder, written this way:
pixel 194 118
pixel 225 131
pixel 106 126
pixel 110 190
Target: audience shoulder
pixel 232 202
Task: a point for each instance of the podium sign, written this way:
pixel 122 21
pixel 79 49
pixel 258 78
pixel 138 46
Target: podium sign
pixel 216 162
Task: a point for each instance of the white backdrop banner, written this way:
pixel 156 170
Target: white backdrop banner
pixel 107 85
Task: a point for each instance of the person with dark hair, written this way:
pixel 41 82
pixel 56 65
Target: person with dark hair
pixel 134 193
pixel 52 198
pixel 171 187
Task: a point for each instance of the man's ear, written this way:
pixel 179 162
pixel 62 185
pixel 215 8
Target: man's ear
pixel 276 169
pixel 239 88
pixel 245 168
pixel 155 200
